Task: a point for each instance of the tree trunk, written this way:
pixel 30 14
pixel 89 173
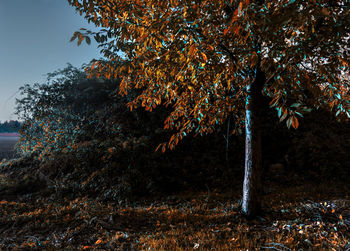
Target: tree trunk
pixel 251 203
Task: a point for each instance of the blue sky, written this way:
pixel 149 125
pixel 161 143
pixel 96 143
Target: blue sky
pixel 34 41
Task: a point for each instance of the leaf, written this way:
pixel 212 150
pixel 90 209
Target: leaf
pixel 289 122
pixel 284 116
pixel 97 38
pixel 87 39
pixel 295 122
pixel 236 29
pixel 80 39
pixel 192 50
pixel 226 30
pixel 210 47
pixel 240 8
pixel 296 105
pixel 204 57
pixel 298 113
pixel 254 59
pixel 343 61
pixel 279 109
pixel 75 35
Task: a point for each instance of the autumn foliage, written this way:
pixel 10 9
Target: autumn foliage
pixel 199 56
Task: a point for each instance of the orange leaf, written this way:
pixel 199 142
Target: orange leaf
pixel 204 57
pixel 295 122
pixel 192 50
pixel 211 47
pixel 236 29
pixel 254 59
pixel 240 9
pixel 226 30
pixel 98 241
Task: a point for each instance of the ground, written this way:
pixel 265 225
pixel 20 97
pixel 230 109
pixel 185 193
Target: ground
pixel 298 214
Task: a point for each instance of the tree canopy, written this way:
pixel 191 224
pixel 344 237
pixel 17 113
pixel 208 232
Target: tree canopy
pixel 199 56
pixel 214 59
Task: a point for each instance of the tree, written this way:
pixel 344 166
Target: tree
pixel 65 111
pixel 10 126
pixel 212 59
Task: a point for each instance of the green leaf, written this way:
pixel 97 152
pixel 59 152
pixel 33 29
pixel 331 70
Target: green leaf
pixel 296 105
pixel 279 111
pixel 289 122
pixel 88 41
pixel 301 115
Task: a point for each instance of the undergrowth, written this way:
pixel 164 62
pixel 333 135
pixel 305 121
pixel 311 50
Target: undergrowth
pixel 304 216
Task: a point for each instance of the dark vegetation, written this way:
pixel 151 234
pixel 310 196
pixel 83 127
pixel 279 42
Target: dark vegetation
pixel 89 177
pixel 10 126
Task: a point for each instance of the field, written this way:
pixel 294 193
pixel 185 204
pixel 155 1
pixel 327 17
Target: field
pixel 7 144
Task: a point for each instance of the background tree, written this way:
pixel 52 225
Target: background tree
pixel 66 110
pixel 212 59
pixel 10 126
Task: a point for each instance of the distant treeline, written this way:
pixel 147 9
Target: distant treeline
pixel 10 126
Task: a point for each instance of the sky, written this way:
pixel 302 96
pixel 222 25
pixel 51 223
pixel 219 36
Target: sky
pixel 34 41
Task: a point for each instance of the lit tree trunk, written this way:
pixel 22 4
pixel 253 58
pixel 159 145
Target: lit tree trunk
pixel 253 163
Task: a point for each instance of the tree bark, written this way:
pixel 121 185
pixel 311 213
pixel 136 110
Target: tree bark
pixel 251 203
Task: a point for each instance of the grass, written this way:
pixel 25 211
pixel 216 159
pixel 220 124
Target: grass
pixel 298 214
pixel 294 218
